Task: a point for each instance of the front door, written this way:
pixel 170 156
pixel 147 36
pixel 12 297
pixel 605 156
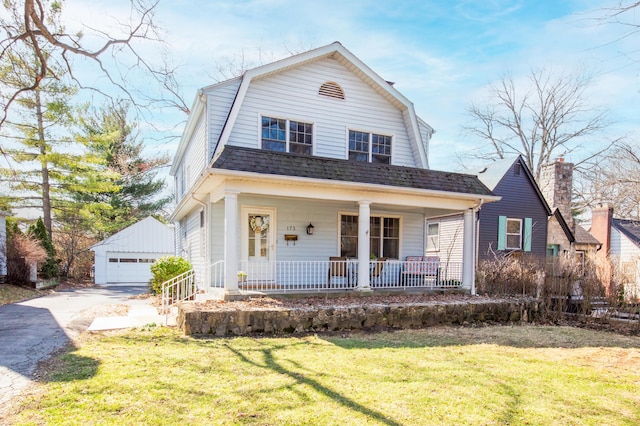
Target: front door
pixel 258 247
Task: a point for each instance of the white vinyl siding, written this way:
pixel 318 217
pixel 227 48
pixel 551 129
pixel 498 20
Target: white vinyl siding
pixel 219 101
pixel 216 231
pixel 194 159
pixel 450 238
pixel 191 250
pixel 294 94
pixel 625 253
pixel 294 217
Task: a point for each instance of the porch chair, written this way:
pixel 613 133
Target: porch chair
pixel 337 276
pixel 376 272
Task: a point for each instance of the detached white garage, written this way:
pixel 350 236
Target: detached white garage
pixel 126 257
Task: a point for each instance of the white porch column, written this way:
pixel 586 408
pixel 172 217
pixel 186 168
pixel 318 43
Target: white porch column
pixel 231 237
pixel 468 258
pixel 364 249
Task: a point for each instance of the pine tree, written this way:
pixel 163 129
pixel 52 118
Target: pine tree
pixel 111 137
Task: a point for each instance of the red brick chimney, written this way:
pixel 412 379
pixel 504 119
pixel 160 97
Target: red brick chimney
pixel 601 226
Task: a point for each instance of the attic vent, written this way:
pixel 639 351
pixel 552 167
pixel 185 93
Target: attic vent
pixel 332 90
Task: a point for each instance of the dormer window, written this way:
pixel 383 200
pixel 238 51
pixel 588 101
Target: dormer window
pixel 282 135
pixel 369 147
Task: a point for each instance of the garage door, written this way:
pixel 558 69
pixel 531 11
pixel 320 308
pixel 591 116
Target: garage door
pixel 128 268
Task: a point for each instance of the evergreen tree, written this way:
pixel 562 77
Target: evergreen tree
pixel 111 137
pixel 50 267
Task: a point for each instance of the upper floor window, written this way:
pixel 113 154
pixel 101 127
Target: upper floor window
pixel 370 147
pixel 279 134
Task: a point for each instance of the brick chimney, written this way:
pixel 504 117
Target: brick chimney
pixel 556 184
pixel 601 226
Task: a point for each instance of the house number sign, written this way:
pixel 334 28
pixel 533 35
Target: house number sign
pixel 291 228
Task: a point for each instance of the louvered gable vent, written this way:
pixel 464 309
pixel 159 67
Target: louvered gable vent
pixel 332 90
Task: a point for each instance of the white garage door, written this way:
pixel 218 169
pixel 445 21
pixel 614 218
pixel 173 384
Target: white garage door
pixel 129 268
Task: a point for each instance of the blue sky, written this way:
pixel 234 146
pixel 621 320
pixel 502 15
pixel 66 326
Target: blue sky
pixel 441 54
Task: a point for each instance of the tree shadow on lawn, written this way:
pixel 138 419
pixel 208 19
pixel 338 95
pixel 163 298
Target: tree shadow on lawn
pixel 31 339
pixel 270 363
pixel 525 336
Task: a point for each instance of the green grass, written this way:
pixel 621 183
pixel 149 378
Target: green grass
pixel 442 376
pixel 13 293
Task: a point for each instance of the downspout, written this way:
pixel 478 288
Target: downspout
pixel 206 242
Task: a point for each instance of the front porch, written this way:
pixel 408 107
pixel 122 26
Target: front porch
pixel 315 276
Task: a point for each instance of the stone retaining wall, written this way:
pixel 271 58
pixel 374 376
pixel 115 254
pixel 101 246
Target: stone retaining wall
pixel 195 321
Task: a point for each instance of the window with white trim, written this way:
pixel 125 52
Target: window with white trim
pixel 433 236
pixel 369 147
pixel 384 236
pixel 282 135
pixel 514 234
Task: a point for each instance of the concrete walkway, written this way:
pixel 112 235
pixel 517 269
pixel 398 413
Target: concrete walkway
pixel 31 331
pixel 139 316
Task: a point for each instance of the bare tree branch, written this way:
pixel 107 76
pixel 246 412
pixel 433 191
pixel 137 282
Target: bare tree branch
pixel 547 118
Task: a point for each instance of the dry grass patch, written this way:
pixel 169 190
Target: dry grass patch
pixel 13 293
pixel 492 375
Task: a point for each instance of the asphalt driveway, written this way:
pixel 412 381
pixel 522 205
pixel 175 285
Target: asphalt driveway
pixel 31 331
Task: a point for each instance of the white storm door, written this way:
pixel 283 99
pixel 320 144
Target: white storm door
pixel 258 242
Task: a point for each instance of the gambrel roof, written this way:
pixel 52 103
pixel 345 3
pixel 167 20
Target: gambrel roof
pixel 334 51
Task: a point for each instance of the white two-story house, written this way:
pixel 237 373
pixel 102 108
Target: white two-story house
pixel 310 174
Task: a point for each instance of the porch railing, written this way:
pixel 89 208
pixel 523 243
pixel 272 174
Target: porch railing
pixel 178 289
pixel 323 275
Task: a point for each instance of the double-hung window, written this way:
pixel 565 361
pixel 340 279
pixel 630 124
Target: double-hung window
pixel 369 147
pixel 282 135
pixel 384 239
pixel 514 233
pixel 433 236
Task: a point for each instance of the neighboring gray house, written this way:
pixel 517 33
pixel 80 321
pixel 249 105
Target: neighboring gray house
pixel 515 224
pixel 3 245
pixel 125 257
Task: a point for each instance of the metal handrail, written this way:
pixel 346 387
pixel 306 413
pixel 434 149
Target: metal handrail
pixel 178 289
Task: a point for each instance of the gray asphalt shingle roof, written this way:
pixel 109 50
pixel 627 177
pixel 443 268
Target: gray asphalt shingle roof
pixel 331 169
pixel 629 228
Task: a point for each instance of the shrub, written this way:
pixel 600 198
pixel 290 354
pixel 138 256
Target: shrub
pixel 509 275
pixel 22 251
pixel 49 268
pixel 165 268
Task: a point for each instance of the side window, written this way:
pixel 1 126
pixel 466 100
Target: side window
pixel 433 236
pixel 514 233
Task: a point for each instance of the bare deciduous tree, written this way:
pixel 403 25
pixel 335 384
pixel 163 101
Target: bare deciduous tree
pixel 551 117
pixel 33 28
pixel 615 181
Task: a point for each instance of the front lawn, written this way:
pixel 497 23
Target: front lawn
pixel 489 375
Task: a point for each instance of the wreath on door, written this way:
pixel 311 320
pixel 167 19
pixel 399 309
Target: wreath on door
pixel 259 223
